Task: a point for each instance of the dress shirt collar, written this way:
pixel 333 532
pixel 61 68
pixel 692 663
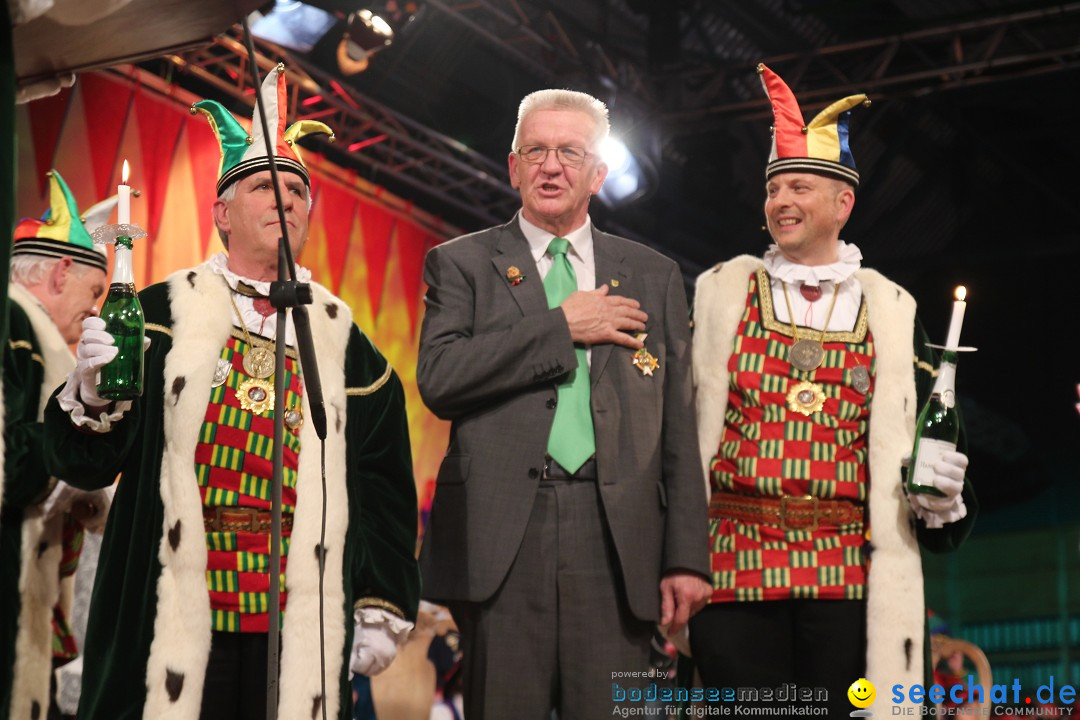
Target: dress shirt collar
pixel 581 241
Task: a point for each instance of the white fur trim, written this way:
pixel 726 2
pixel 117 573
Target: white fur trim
pixel 719 304
pixel 39 575
pixel 895 604
pixel 182 627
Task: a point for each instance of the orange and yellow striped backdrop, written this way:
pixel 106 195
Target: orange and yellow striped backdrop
pixel 365 244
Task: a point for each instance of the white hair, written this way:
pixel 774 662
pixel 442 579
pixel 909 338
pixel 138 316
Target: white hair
pixel 29 269
pixel 564 100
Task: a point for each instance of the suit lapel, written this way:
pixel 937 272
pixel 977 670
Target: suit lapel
pixel 512 252
pixel 613 272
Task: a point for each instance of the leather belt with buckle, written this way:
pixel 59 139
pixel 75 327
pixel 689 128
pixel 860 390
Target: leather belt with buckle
pixel 555 471
pixel 789 512
pixel 242 519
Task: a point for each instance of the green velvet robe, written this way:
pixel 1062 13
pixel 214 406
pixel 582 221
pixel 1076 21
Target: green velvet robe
pixel 36 360
pixel 148 637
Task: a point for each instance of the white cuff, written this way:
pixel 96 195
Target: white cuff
pixel 70 403
pixel 396 626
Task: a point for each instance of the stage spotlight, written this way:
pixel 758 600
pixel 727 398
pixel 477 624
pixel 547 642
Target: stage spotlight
pixel 626 179
pixel 292 24
pixel 366 34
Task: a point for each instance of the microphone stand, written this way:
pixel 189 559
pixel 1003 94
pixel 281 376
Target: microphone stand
pixel 286 293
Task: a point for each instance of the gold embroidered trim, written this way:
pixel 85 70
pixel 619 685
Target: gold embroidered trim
pixel 381 604
pixel 38 359
pixel 769 321
pixel 20 345
pixel 158 328
pixel 923 365
pixel 373 386
pixel 289 352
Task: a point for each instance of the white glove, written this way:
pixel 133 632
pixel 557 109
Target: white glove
pixel 79 397
pixel 96 349
pixel 948 478
pixel 375 640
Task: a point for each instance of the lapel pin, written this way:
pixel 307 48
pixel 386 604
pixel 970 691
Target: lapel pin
pixel 514 275
pixel 614 282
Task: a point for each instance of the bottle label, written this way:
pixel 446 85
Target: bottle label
pixel 927 455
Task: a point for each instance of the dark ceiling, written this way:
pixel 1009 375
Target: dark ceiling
pixel 968 156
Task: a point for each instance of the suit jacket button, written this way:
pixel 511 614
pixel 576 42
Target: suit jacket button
pixel 534 473
pixel 550 404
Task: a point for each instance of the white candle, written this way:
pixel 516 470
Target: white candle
pixel 952 341
pixel 123 211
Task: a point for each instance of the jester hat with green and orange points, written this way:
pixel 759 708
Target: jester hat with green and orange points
pixel 820 146
pixel 60 232
pixel 243 154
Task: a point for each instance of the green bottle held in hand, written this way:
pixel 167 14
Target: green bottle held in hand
pixel 937 429
pixel 122 378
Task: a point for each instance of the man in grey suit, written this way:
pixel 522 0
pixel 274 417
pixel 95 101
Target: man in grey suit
pixel 569 515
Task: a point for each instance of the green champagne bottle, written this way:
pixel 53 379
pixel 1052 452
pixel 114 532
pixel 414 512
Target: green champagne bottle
pixel 937 429
pixel 122 378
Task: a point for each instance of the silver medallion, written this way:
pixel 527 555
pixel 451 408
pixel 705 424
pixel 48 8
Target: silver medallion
pixel 806 355
pixel 860 379
pixel 259 362
pixel 221 372
pixel 294 418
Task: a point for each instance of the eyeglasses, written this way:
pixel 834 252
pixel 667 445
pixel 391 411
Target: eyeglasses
pixel 567 156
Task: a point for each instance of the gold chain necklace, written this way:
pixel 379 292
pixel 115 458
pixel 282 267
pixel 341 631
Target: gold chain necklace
pixel 259 360
pixel 806 354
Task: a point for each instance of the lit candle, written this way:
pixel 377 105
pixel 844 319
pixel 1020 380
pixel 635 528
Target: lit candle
pixel 952 341
pixel 123 212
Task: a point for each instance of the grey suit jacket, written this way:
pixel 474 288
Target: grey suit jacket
pixel 490 355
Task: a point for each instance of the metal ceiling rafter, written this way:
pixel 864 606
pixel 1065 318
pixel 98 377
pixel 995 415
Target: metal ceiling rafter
pixel 983 51
pixel 546 43
pixel 369 133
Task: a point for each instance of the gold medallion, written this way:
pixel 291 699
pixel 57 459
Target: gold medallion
pixel 806 398
pixel 806 355
pixel 256 396
pixel 259 362
pixel 294 417
pixel 643 360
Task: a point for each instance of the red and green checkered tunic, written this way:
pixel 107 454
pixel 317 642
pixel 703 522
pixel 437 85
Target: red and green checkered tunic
pixel 233 463
pixel 768 450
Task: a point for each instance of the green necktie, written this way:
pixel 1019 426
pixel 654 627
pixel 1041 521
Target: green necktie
pixel 572 440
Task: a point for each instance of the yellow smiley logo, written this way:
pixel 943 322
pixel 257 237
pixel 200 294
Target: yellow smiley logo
pixel 861 694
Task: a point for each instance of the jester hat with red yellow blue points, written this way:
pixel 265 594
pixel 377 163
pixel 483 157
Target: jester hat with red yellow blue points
pixel 818 147
pixel 243 154
pixel 60 232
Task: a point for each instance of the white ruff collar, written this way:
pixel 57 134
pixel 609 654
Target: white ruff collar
pixel 779 267
pixel 219 263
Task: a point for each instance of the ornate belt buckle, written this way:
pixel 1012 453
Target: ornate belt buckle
pixel 786 500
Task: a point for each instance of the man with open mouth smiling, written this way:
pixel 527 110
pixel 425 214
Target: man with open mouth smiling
pixel 568 516
pixel 796 357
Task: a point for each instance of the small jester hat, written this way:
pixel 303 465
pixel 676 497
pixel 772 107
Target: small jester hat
pixel 243 154
pixel 818 147
pixel 60 232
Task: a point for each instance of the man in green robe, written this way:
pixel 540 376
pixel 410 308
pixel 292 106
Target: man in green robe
pixel 178 622
pixel 57 278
